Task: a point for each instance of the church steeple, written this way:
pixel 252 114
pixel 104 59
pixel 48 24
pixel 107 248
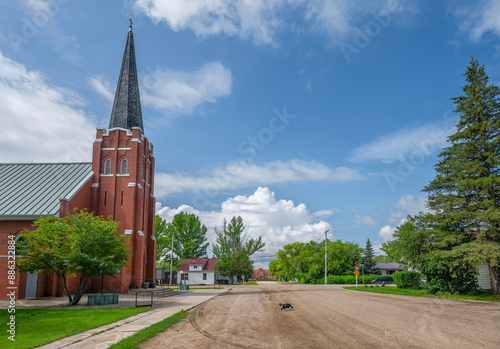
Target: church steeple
pixel 126 111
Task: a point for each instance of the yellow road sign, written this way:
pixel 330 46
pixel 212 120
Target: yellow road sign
pixel 356 272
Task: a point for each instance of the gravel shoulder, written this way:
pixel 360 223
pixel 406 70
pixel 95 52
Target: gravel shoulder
pixel 327 316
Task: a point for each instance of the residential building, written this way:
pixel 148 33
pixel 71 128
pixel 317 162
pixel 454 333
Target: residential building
pixel 198 271
pixel 390 268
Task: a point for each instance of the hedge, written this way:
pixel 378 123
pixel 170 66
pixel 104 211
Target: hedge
pixel 344 279
pixel 407 279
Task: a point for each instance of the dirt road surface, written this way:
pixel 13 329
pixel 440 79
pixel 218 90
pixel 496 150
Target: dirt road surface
pixel 327 316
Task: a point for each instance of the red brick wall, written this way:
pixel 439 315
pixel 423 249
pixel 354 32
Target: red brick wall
pixel 11 228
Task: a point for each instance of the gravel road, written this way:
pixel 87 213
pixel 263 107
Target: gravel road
pixel 327 316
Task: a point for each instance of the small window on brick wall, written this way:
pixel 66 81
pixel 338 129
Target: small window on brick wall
pixel 123 166
pixel 107 167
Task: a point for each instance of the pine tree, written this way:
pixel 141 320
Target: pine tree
pixel 465 194
pixel 234 250
pixel 369 264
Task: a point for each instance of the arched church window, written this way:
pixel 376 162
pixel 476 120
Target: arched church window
pixel 123 166
pixel 21 245
pixel 107 167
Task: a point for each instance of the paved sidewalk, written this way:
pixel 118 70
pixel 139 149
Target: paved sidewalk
pixel 114 332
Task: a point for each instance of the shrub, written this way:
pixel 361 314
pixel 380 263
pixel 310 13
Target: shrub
pixel 407 279
pixel 302 281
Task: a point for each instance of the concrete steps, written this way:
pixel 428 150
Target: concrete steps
pixel 157 292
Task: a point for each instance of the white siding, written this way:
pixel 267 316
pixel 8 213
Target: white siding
pixel 196 277
pixel 483 278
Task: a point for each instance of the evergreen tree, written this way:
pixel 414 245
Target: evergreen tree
pixel 465 194
pixel 369 260
pixel 234 250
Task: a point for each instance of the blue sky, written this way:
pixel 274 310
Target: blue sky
pixel 300 116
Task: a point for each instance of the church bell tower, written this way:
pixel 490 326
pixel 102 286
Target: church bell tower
pixel 123 187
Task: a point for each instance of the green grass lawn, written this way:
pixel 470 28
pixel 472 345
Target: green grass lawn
pixel 487 296
pixel 143 335
pixel 36 327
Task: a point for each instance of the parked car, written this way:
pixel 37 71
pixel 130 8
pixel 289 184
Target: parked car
pixel 383 279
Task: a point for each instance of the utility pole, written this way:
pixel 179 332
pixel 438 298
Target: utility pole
pixel 171 262
pixel 326 254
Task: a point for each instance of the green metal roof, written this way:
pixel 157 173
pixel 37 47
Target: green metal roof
pixel 28 191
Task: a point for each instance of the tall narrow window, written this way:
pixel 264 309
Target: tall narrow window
pixel 105 197
pixel 122 199
pixel 107 167
pixel 24 245
pixel 147 176
pixel 123 166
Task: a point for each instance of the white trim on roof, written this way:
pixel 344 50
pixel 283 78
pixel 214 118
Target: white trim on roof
pixel 79 186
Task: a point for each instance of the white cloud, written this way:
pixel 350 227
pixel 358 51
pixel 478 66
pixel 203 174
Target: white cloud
pixel 102 87
pixel 279 222
pixel 256 19
pixel 182 92
pixel 479 18
pixel 40 122
pixel 407 205
pixel 366 220
pixel 262 20
pixel 325 213
pixel 410 143
pixel 241 174
pixel 175 92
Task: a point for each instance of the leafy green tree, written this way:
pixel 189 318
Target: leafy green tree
pixel 465 194
pixel 384 259
pixel 67 246
pixel 161 239
pixel 370 266
pixel 234 250
pixel 342 257
pixel 306 261
pixel 190 238
pixel 419 242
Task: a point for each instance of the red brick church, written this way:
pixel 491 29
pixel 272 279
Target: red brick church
pixel 118 182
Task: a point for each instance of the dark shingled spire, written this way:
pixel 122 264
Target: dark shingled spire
pixel 126 111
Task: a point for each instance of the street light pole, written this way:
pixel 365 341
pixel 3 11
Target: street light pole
pixel 326 254
pixel 171 262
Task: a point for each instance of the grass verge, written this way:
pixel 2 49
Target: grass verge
pixel 149 332
pixel 35 327
pixel 486 296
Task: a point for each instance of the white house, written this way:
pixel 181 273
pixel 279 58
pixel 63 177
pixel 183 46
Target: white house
pixel 199 271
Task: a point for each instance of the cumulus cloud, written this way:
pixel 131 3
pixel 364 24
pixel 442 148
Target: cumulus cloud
pixel 256 20
pixel 41 122
pixel 261 21
pixel 479 18
pixel 406 143
pixel 241 174
pixel 279 222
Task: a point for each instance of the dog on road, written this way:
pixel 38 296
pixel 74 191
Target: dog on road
pixel 285 306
